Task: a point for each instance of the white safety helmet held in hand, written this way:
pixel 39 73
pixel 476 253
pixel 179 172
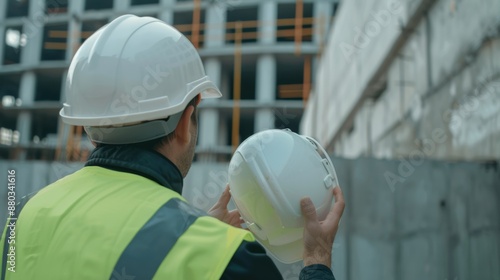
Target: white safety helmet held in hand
pixel 269 174
pixel 132 70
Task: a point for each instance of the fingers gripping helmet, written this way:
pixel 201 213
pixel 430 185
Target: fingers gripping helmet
pixel 269 174
pixel 128 73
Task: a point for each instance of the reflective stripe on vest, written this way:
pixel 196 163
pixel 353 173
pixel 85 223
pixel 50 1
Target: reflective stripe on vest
pixel 144 254
pixel 103 224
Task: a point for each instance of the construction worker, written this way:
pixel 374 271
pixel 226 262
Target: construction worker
pixel 135 85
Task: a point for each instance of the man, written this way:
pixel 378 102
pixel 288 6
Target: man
pixel 135 85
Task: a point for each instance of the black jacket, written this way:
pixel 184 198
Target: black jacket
pixel 250 260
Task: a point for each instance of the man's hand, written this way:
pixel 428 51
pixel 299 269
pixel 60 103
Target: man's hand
pixel 219 210
pixel 319 235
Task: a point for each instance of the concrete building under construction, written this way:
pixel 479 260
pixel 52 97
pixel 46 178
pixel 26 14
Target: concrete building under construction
pixel 260 54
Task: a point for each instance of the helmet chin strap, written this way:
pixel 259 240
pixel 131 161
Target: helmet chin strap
pixel 134 133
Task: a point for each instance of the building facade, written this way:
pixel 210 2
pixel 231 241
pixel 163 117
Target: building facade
pixel 260 53
pixel 418 79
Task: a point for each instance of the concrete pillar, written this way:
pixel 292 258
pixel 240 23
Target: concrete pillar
pixel 76 7
pixel 265 91
pixel 223 132
pixel 3 15
pixel 223 125
pixel 267 22
pixel 322 11
pixel 120 6
pixel 167 11
pixel 74 28
pixel 266 66
pixel 27 95
pixel 2 40
pixel 225 85
pixel 209 118
pixel 215 25
pixel 33 29
pixel 27 88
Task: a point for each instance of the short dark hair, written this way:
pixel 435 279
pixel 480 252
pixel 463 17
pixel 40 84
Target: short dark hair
pixel 156 143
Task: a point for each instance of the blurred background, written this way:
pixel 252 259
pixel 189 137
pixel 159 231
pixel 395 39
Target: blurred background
pixel 403 94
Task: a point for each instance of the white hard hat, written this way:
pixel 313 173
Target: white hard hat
pixel 269 174
pixel 132 70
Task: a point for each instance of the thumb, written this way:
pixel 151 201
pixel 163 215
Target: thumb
pixel 225 197
pixel 308 210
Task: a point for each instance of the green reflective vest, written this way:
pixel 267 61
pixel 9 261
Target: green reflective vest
pixel 103 224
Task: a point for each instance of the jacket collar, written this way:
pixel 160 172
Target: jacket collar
pixel 144 162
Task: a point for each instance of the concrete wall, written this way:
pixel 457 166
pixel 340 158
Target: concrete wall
pixel 404 219
pixel 434 67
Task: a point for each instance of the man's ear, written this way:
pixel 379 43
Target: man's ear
pixel 182 131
